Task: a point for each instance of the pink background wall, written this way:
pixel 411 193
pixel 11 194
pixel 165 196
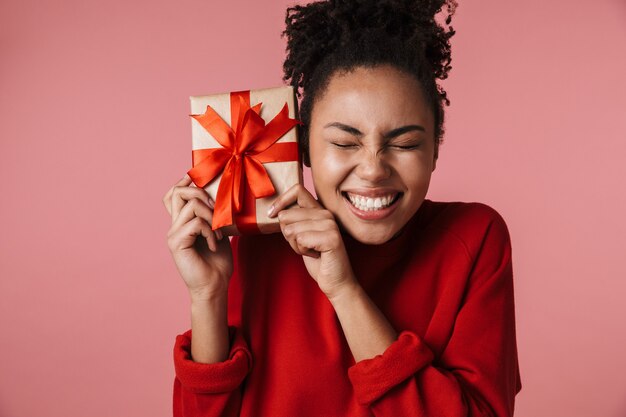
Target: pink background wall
pixel 94 129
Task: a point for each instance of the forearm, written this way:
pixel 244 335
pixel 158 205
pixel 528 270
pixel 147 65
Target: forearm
pixel 209 329
pixel 367 330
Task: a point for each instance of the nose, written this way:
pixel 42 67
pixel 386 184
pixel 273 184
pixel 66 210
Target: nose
pixel 373 167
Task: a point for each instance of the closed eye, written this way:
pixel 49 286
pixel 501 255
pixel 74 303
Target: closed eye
pixel 405 147
pixel 344 145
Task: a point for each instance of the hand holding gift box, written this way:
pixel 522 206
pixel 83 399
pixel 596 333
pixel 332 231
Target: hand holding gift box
pixel 245 155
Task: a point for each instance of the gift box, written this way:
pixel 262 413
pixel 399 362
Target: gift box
pixel 245 154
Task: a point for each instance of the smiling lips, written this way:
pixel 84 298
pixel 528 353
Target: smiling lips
pixel 364 203
pixel 372 207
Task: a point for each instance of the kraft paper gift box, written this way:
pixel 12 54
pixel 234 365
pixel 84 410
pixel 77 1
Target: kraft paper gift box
pixel 245 154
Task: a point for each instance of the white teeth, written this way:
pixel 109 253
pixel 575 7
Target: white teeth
pixel 371 204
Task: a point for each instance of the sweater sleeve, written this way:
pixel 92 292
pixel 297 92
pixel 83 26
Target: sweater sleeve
pixel 206 390
pixel 212 390
pixel 477 374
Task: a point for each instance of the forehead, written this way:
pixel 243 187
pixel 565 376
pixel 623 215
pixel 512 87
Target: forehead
pixel 372 96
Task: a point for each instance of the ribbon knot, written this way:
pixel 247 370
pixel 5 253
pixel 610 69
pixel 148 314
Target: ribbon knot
pixel 246 145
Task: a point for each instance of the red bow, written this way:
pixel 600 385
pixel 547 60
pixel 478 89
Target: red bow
pixel 245 146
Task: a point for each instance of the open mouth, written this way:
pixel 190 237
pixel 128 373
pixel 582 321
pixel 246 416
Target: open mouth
pixel 379 203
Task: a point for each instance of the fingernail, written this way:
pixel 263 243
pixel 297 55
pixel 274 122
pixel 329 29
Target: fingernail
pixel 219 235
pixel 211 203
pixel 270 211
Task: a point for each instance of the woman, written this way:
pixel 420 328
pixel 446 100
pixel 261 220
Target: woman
pixel 374 301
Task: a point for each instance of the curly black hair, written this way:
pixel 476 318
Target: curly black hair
pixel 330 36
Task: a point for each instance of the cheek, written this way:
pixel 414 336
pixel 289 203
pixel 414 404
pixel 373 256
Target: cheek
pixel 421 183
pixel 416 171
pixel 329 170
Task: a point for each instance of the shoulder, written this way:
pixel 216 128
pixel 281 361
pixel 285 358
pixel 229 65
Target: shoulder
pixel 450 214
pixel 482 234
pixel 472 223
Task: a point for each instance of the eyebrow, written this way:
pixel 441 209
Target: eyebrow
pixel 389 135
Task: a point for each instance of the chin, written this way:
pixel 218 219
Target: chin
pixel 370 235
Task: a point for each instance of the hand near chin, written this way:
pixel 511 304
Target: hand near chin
pixel 312 232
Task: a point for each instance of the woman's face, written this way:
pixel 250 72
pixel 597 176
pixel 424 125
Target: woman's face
pixel 371 148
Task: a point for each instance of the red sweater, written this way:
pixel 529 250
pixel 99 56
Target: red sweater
pixel 446 286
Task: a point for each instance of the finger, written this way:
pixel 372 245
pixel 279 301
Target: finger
pixel 197 208
pixel 294 245
pixel 167 199
pixel 297 214
pixel 297 194
pixel 294 229
pixel 300 232
pixel 290 238
pixel 318 241
pixel 301 250
pixel 304 250
pixel 185 237
pixel 182 194
pixel 311 253
pixel 193 208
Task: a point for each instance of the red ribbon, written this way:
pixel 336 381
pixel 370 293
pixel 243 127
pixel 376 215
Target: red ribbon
pixel 245 147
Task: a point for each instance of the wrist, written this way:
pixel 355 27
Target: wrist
pixel 209 326
pixel 209 312
pixel 203 296
pixel 344 292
